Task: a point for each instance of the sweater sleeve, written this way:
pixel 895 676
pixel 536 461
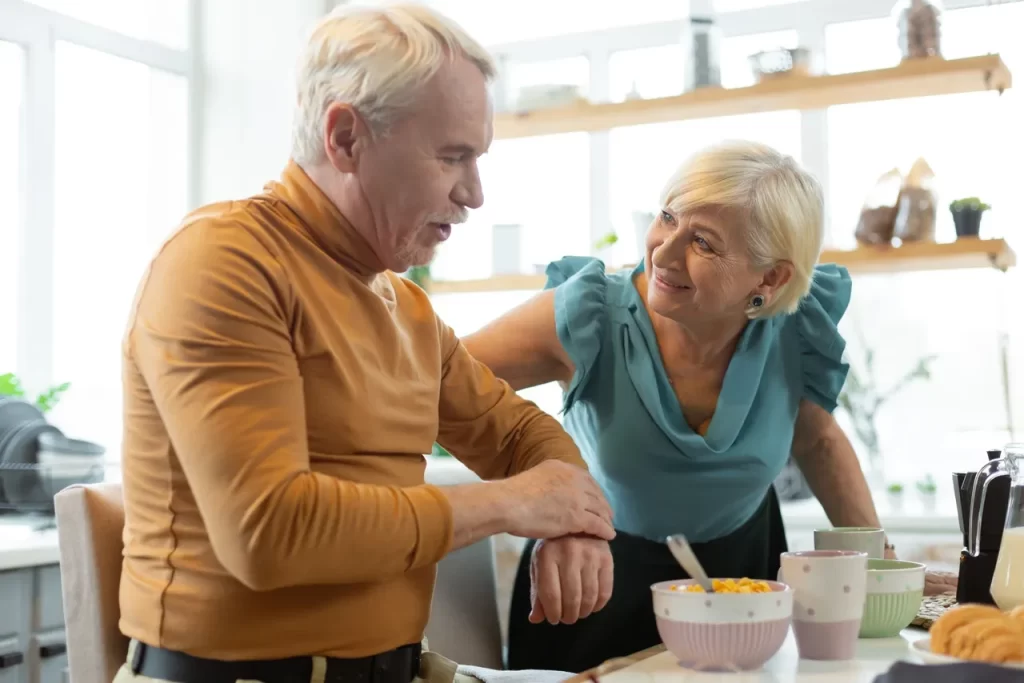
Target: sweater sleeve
pixel 210 334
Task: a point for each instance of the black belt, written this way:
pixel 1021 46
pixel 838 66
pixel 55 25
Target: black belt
pixel 395 666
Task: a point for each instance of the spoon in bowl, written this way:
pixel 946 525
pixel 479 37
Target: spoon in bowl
pixel 683 553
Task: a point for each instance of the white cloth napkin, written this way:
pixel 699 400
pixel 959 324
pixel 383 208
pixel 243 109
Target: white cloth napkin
pixel 524 676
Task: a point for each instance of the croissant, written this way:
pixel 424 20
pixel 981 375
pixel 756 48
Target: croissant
pixel 979 633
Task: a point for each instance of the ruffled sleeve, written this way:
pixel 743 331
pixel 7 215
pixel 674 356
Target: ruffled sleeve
pixel 580 314
pixel 817 333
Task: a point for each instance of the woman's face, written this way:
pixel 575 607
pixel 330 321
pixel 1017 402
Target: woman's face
pixel 697 265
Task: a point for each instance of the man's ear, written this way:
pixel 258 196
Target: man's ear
pixel 345 133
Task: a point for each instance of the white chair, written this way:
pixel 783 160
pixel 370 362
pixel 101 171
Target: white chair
pixel 90 520
pixel 463 624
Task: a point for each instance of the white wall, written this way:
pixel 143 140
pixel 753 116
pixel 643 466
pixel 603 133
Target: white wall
pixel 248 50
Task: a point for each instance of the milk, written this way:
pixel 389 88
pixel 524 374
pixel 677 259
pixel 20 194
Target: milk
pixel 1008 580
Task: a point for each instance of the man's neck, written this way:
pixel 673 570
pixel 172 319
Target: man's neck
pixel 344 192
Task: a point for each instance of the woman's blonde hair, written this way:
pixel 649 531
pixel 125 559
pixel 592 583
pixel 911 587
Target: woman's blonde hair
pixel 374 58
pixel 783 205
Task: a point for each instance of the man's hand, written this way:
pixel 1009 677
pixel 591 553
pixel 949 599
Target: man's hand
pixel 556 499
pixel 570 577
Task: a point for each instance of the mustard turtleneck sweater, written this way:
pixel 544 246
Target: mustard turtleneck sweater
pixel 276 409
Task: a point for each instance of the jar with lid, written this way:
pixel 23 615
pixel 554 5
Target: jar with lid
pixel 702 40
pixel 918 26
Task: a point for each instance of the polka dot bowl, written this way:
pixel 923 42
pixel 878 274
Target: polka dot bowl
pixel 895 590
pixel 722 631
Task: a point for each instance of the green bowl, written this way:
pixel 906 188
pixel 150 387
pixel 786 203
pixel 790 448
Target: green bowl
pixel 895 589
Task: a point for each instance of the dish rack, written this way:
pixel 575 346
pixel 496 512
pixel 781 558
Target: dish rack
pixel 26 488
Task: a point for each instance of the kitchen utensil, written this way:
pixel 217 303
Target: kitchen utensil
pixel 683 553
pixel 724 631
pixel 829 593
pixel 870 540
pixel 981 518
pixel 895 590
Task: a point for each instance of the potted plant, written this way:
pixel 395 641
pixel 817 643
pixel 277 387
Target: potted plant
pixel 420 275
pixel 926 488
pixel 10 385
pixel 606 242
pixel 895 493
pixel 967 216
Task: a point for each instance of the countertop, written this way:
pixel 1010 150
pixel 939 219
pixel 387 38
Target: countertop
pixel 29 540
pixel 874 656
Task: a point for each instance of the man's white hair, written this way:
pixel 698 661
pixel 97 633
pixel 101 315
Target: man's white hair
pixel 375 58
pixel 782 203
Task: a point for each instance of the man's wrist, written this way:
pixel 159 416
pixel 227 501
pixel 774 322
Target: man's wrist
pixel 479 510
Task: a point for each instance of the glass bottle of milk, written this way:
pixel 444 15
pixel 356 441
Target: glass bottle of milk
pixel 1008 579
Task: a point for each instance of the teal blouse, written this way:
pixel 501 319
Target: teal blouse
pixel 661 476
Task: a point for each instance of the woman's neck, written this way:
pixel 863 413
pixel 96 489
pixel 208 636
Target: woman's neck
pixel 701 343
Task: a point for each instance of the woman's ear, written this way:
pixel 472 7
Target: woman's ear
pixel 776 276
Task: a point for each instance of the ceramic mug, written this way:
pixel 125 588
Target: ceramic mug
pixel 829 589
pixel 870 540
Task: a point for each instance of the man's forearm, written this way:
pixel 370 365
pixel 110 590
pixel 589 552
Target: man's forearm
pixel 835 476
pixel 478 511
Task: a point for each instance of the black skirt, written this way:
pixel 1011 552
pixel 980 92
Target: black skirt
pixel 626 624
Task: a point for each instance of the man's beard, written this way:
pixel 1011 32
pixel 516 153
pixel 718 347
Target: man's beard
pixel 420 246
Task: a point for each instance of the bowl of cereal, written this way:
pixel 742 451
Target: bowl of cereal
pixel 739 627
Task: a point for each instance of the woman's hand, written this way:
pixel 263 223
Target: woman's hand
pixel 937 583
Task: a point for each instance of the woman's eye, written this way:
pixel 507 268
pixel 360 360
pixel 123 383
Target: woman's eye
pixel 666 217
pixel 451 161
pixel 702 243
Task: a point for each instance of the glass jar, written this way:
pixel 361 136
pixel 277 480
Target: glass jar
pixel 702 43
pixel 918 25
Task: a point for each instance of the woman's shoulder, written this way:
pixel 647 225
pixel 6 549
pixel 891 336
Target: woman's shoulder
pixel 588 270
pixel 814 334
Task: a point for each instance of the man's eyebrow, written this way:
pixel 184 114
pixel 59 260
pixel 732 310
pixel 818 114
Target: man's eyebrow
pixel 461 150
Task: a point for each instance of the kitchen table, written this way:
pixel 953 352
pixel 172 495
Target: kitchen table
pixel 874 656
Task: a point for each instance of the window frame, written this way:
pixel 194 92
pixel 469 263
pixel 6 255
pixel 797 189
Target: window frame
pixel 38 30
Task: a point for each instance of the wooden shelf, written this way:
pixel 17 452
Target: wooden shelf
pixel 964 253
pixel 913 78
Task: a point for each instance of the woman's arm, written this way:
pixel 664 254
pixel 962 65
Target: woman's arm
pixel 828 461
pixel 522 346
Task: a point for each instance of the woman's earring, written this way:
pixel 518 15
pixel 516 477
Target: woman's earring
pixel 756 301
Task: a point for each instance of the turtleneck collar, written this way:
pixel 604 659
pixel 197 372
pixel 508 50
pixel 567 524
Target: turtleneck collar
pixel 324 223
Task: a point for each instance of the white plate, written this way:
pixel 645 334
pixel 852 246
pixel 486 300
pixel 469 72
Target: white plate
pixel 922 648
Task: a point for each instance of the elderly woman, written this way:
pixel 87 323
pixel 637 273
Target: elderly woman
pixel 688 383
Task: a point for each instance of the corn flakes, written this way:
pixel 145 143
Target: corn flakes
pixel 743 585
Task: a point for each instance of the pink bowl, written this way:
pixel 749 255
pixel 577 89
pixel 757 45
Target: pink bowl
pixel 722 631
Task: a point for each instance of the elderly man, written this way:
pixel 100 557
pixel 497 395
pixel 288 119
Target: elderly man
pixel 281 384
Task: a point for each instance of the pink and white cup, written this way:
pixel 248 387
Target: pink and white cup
pixel 829 590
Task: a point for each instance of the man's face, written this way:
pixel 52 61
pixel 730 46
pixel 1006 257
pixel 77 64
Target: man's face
pixel 421 177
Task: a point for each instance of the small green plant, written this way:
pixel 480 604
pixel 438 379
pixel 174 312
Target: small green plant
pixel 10 385
pixel 968 204
pixel 420 275
pixel 927 485
pixel 895 488
pixel 606 241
